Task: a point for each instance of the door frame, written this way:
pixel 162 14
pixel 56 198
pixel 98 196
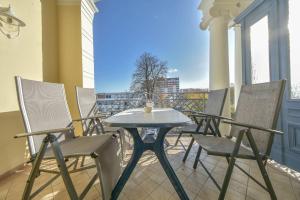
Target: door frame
pixel 284 148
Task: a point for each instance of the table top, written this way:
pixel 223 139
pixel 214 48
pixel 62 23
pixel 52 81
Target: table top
pixel 159 117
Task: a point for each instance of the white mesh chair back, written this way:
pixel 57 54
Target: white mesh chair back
pixel 259 105
pixel 43 107
pixel 215 102
pixel 86 100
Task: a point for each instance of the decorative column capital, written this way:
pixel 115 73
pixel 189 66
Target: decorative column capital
pixel 228 9
pixel 92 5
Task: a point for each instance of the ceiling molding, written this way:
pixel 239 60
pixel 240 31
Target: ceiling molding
pixel 92 5
pixel 248 10
pixel 217 8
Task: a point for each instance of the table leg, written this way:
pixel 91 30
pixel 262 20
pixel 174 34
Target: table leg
pixel 160 153
pixel 138 150
pixel 139 147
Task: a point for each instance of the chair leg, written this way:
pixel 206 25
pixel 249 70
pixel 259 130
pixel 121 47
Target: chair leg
pixel 82 161
pixel 182 145
pixel 197 157
pixel 266 179
pixel 261 166
pixel 231 164
pixel 102 128
pixel 63 168
pixel 35 169
pixel 227 178
pixel 178 138
pixel 166 143
pixel 122 138
pixel 188 150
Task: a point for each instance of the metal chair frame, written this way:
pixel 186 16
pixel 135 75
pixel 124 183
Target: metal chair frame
pixel 231 160
pixel 261 158
pixel 63 170
pixel 210 123
pixel 95 118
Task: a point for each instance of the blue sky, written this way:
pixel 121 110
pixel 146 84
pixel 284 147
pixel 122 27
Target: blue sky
pixel 168 29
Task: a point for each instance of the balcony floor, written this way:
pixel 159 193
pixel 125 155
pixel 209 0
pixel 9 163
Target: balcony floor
pixel 149 182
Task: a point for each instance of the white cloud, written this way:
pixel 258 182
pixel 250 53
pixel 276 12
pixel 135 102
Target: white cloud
pixel 172 70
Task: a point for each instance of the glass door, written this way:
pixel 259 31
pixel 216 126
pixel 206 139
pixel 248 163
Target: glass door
pixel 294 33
pixel 271 51
pixel 259 43
pixel 291 112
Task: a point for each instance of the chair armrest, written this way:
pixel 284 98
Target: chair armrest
pixel 45 132
pixel 201 114
pixel 196 116
pixel 188 111
pixel 91 117
pixel 249 126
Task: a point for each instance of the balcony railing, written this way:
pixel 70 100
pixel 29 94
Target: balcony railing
pixel 178 102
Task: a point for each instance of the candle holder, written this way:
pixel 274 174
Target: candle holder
pixel 149 106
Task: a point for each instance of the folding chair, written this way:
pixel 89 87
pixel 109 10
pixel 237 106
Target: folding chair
pixel 256 118
pixel 50 136
pixel 89 111
pixel 87 106
pixel 205 122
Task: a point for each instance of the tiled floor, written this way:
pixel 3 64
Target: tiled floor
pixel 149 182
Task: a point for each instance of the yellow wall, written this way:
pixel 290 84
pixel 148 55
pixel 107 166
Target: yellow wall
pixel 62 51
pixel 70 53
pixel 50 41
pixel 49 48
pixel 20 56
pixel 13 152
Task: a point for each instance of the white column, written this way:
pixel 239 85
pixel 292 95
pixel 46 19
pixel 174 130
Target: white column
pixel 238 63
pixel 88 10
pixel 217 14
pixel 219 62
pixel 219 56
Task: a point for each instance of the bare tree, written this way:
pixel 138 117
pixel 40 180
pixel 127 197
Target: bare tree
pixel 149 70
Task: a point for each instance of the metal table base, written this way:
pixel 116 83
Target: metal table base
pixel 157 146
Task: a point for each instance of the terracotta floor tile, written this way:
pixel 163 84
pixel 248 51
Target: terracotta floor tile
pixel 160 194
pixel 296 188
pixel 149 181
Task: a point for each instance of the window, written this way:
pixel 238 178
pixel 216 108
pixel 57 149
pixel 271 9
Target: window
pixel 294 29
pixel 259 36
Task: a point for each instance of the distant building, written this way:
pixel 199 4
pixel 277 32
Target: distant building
pixel 116 95
pixel 170 96
pixel 118 101
pixel 189 90
pixel 169 85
